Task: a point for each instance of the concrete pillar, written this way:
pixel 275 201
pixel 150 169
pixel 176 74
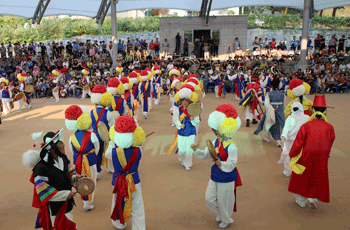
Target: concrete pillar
pixel 114 33
pixel 305 35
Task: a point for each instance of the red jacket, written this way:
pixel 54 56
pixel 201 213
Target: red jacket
pixel 315 139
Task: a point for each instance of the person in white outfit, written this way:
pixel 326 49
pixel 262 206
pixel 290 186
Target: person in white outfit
pixel 5 96
pixel 86 80
pixel 26 99
pixel 289 133
pixel 238 80
pixel 126 158
pixel 220 195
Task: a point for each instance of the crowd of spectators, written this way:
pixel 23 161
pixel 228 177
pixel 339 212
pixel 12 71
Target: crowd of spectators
pixel 329 66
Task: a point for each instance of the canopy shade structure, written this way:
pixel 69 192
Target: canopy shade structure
pixel 89 8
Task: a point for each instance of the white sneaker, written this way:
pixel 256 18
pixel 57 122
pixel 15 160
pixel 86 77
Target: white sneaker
pixel 223 225
pixel 182 163
pixel 279 144
pixel 301 205
pixel 285 174
pixel 145 116
pixel 88 207
pixel 51 97
pixel 187 168
pixel 218 218
pixel 172 124
pixel 266 139
pixel 312 203
pixel 57 100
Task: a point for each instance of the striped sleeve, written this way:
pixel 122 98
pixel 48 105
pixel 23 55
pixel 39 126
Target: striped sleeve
pixel 43 189
pixel 71 170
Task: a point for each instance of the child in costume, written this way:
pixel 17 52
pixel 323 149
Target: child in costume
pixel 5 95
pixel 220 196
pixel 52 177
pixel 22 86
pixel 116 89
pixel 125 153
pixel 185 124
pixel 309 157
pixel 145 90
pixel 273 119
pixel 101 98
pixel 156 84
pixel 86 81
pixel 134 79
pixel 128 96
pixel 297 91
pixel 56 81
pixel 289 133
pixel 84 145
pixel 219 85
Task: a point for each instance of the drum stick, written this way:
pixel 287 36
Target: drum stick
pixel 150 134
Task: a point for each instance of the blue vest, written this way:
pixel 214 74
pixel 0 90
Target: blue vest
pixel 5 94
pixel 103 119
pixel 148 90
pixel 136 93
pixel 92 156
pixel 127 97
pixel 189 128
pixel 121 108
pixel 119 169
pixel 219 176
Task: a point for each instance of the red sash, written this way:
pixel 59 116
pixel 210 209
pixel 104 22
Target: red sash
pixel 220 88
pixel 99 117
pixel 121 187
pixel 119 103
pixel 59 91
pixel 134 90
pixel 185 112
pixel 83 146
pixel 222 151
pixel 6 90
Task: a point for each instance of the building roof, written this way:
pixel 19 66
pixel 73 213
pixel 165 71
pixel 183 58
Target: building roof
pixel 89 8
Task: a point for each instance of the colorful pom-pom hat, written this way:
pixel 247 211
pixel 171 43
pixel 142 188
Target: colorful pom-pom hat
pixel 225 119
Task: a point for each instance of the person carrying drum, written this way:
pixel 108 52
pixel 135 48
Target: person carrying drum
pixel 127 201
pixel 157 81
pixel 101 118
pixel 84 145
pixel 116 89
pixel 52 177
pixel 220 195
pixel 185 124
pixel 25 99
pixel 145 90
pixel 128 96
pixel 5 95
pixel 133 78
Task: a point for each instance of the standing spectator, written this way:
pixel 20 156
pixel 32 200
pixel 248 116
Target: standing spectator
pixel 9 49
pixel 266 43
pixel 347 45
pixel 178 43
pixel 309 43
pixel 273 43
pixel 332 43
pixel 137 45
pixel 210 43
pixel 151 48
pixel 206 51
pixel 128 45
pixel 156 47
pixel 236 45
pixel 317 41
pixel 341 43
pixel 322 43
pixel 69 48
pixel 293 43
pixel 165 47
pixel 3 52
pixel 255 43
pixel 216 46
pixel 185 48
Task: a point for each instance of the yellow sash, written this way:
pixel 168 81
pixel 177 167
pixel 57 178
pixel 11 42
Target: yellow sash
pixel 136 107
pixel 297 168
pixel 175 139
pixel 226 143
pixel 131 185
pixel 85 169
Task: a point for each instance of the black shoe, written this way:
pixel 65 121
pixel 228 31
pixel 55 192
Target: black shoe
pixel 248 123
pixel 254 122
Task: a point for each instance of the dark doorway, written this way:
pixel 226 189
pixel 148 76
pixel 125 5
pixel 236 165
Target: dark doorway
pixel 198 34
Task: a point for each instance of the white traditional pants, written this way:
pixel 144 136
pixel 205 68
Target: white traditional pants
pixel 138 220
pixel 197 131
pixel 6 105
pixel 249 115
pixel 185 151
pixel 93 170
pixel 22 103
pixel 56 95
pixel 149 101
pixel 85 92
pixel 285 159
pixel 158 89
pixel 220 199
pixel 216 89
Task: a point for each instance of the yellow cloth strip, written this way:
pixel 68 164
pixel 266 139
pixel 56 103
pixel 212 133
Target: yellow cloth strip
pixel 104 159
pixel 297 168
pixel 95 114
pixel 175 139
pixel 131 185
pixel 114 105
pixel 226 143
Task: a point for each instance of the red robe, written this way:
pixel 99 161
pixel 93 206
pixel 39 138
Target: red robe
pixel 315 139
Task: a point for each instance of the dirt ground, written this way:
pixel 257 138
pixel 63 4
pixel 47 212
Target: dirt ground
pixel 175 198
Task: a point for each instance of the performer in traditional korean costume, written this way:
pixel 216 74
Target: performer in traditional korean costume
pixel 239 79
pixel 22 86
pixel 156 84
pixel 5 95
pixel 117 90
pixel 297 91
pixel 128 96
pixel 134 79
pixel 84 145
pixel 145 90
pixel 86 81
pixel 220 196
pixel 125 153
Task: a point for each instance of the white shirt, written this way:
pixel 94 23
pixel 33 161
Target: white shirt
pixel 347 43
